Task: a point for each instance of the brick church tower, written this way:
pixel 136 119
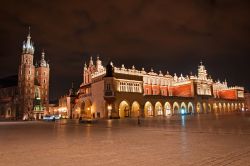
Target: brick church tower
pixel 26 79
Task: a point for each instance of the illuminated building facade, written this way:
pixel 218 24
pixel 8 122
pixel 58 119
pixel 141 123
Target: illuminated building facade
pixel 119 92
pixel 66 104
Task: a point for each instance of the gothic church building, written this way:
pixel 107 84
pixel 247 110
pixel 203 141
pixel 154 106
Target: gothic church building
pixel 27 96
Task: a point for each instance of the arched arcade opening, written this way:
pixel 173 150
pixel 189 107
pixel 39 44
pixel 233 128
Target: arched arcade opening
pixel 176 108
pixel 86 109
pixel 190 108
pixel 158 109
pixel 198 108
pixel 124 109
pixel 135 109
pixel 183 108
pixel 148 109
pixel 167 109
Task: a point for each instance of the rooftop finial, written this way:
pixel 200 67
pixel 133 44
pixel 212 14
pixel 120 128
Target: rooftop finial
pixel 91 63
pixel 201 62
pixel 29 30
pixel 43 54
pixel 42 61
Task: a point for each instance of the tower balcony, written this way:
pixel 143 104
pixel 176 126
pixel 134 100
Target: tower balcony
pixel 109 95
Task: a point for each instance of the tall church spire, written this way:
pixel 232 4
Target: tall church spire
pixel 28 47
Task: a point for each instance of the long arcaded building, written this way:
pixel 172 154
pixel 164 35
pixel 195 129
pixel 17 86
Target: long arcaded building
pixel 119 92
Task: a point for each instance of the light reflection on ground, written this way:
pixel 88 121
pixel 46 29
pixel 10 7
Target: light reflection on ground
pixel 178 140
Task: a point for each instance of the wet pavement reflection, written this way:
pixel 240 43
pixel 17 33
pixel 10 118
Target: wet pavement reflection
pixel 205 139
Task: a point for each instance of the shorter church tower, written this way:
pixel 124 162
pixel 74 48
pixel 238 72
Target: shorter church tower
pixel 42 77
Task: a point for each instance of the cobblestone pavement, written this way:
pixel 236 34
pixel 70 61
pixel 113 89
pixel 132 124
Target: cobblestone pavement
pixel 189 140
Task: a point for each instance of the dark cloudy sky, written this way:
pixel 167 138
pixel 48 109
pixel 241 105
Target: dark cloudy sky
pixel 171 35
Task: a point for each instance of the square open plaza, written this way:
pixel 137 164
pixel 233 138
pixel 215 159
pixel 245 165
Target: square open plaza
pixel 193 140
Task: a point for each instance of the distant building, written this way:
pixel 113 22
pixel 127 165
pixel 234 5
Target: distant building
pixel 119 92
pixel 65 105
pixel 32 85
pixel 53 109
pixel 8 97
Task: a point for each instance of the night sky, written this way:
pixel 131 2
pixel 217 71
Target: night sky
pixel 168 35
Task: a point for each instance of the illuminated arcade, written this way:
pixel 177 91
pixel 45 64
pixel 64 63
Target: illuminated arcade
pixel 119 92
